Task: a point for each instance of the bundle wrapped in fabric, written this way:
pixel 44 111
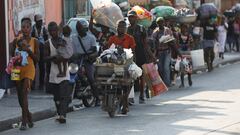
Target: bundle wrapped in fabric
pixel 153 79
pixel 108 15
pixel 145 17
pixel 164 11
pixel 207 10
pixel 116 54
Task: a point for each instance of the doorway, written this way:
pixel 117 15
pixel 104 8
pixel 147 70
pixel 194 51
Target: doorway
pixel 2 39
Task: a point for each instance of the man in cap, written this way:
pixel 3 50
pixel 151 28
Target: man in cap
pixel 40 32
pixel 141 54
pixel 163 50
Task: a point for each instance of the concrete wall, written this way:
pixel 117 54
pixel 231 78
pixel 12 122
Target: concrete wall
pixel 53 11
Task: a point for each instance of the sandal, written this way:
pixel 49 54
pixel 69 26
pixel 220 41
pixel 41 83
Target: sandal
pixel 23 126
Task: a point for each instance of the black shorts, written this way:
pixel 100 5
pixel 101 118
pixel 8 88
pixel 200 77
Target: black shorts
pixel 61 90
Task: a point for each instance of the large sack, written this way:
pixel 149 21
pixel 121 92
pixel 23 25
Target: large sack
pixel 145 17
pixel 163 11
pixel 153 79
pixel 207 10
pixel 108 15
pixel 100 3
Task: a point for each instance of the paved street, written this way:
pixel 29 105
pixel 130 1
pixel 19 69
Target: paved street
pixel 210 107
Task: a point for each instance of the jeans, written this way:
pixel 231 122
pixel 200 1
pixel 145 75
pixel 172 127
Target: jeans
pixel 90 70
pixel 164 66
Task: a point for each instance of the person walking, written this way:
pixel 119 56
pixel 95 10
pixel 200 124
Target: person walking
pixel 163 51
pixel 222 36
pixel 142 50
pixel 58 86
pixel 209 38
pixel 40 33
pixel 236 26
pixel 230 34
pixel 27 72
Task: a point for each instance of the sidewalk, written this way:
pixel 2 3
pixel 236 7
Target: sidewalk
pixel 42 105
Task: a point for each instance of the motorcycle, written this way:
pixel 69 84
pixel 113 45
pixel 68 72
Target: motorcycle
pixel 80 85
pixel 114 81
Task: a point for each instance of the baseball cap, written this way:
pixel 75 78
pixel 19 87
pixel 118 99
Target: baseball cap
pixel 132 13
pixel 38 17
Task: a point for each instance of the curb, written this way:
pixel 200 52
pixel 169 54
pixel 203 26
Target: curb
pixel 216 65
pixel 37 116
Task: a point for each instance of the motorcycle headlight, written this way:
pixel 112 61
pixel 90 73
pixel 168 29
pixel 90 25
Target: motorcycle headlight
pixel 73 68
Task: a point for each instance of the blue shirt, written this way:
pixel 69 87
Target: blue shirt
pixel 88 41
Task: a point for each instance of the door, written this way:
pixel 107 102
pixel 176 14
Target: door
pixel 70 9
pixel 2 39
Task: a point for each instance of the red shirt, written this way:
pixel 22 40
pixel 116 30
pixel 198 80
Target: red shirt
pixel 126 42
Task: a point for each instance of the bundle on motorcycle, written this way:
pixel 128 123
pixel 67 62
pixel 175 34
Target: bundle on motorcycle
pixel 113 77
pixel 115 82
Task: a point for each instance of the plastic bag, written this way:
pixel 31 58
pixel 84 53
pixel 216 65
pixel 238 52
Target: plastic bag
pixel 216 49
pixel 108 15
pixel 134 71
pixel 153 79
pixel 131 94
pixel 100 3
pixel 1 93
pixel 129 53
pixel 177 65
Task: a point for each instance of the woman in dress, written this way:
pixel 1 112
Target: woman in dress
pixel 222 36
pixel 27 72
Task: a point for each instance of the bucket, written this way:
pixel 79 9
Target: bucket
pixel 197 58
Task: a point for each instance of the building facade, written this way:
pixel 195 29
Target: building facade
pixel 11 13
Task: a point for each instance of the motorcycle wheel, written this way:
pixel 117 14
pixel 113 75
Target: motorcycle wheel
pixel 111 105
pixel 88 102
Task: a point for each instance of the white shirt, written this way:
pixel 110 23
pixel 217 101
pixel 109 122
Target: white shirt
pixel 54 68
